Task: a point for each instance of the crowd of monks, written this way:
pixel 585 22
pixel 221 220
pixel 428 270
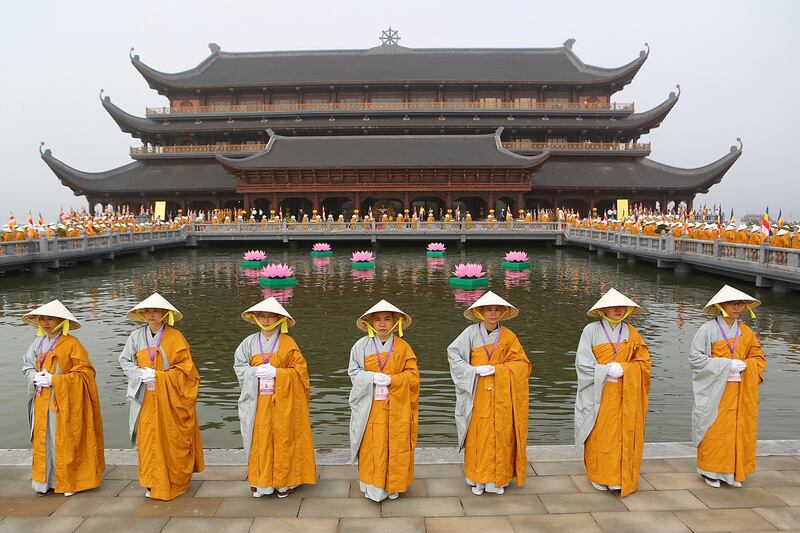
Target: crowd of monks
pixel 490 372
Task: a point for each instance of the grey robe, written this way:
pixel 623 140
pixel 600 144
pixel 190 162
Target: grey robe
pixel 136 389
pixel 363 390
pixel 246 374
pixel 592 376
pixel 465 378
pixel 709 376
pixel 29 369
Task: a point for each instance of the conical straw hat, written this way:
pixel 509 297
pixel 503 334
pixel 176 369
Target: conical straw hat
pixel 490 298
pixel 270 305
pixel 613 298
pixel 154 301
pixel 729 294
pixel 55 309
pixel 381 306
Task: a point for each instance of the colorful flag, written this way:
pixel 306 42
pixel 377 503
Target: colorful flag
pixel 766 228
pixel 30 218
pixel 733 219
pixel 41 220
pixel 780 217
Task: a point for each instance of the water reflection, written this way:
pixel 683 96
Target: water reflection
pixel 284 296
pixel 211 289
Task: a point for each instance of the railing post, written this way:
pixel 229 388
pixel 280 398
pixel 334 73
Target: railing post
pixel 762 254
pixel 717 249
pixel 42 244
pixel 85 242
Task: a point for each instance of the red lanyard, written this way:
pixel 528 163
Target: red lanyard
pixel 382 364
pixel 152 351
pixel 608 337
pixel 271 351
pixel 732 349
pixel 483 340
pixel 40 359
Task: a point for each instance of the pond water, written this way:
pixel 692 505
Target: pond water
pixel 211 289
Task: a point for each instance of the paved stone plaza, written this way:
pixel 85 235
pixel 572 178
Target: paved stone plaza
pixel 555 498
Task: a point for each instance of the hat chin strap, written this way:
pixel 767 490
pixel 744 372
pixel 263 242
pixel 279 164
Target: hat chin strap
pixel 399 325
pixel 725 315
pixel 169 317
pixel 63 326
pixel 282 323
pixel 615 322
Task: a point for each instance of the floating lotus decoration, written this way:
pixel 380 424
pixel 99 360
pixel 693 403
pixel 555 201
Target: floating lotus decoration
pixel 436 249
pixel 364 260
pixel 516 261
pixel 321 249
pixel 254 259
pixel 276 275
pixel 469 275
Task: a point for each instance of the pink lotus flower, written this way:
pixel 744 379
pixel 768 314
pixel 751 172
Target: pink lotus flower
pixel 358 257
pixel 254 255
pixel 436 247
pixel 276 270
pixel 513 256
pixel 321 247
pixel 469 270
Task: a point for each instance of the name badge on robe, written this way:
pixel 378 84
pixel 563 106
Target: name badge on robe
pixel 266 387
pixel 735 376
pixel 381 392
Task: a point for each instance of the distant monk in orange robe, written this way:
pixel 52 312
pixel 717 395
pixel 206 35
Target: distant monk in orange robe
pixel 273 404
pixel 727 370
pixel 384 409
pixel 491 372
pixel 63 406
pixel 162 387
pixel 613 367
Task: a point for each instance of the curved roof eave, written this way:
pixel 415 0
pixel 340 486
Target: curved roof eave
pixel 708 175
pixel 127 122
pixel 79 181
pixel 159 80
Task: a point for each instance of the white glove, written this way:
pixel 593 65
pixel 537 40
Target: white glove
pixel 266 371
pixel 382 379
pixel 484 370
pixel 737 365
pixel 615 370
pixel 43 379
pixel 147 375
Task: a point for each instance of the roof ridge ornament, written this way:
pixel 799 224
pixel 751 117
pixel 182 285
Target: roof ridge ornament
pixel 645 52
pixel 672 93
pixel 41 145
pixel 214 47
pixel 390 37
pixel 134 57
pixel 569 43
pixel 741 145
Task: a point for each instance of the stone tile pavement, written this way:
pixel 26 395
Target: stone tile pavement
pixel 556 498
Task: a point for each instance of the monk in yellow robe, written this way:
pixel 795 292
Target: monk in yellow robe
pixel 727 371
pixel 273 405
pixel 63 406
pixel 162 387
pixel 384 410
pixel 491 371
pixel 613 366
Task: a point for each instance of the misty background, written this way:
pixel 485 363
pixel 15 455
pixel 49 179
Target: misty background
pixel 736 63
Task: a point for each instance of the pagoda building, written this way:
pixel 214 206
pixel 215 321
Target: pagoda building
pixel 392 127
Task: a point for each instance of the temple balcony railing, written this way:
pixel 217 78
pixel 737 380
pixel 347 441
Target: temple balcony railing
pixel 359 107
pixel 138 152
pixel 585 146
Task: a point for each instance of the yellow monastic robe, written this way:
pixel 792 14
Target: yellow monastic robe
pixel 613 451
pixel 386 454
pixel 729 445
pixel 495 447
pixel 282 453
pixel 79 454
pixel 168 434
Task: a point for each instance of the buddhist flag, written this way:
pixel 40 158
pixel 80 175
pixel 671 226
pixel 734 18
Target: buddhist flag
pixel 733 219
pixel 30 218
pixel 41 220
pixel 766 228
pixel 12 221
pixel 780 217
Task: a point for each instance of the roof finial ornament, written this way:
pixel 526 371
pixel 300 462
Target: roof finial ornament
pixel 739 140
pixel 41 145
pixel 645 52
pixel 672 93
pixel 134 57
pixel 568 43
pixel 214 47
pixel 389 37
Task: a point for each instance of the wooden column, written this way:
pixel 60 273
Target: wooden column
pixel 273 203
pixel 247 201
pixel 520 201
pixel 315 201
pixel 489 202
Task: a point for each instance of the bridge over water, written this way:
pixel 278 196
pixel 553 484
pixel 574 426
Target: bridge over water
pixel 763 265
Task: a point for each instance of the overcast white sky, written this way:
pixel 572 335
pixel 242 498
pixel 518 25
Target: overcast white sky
pixel 736 62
